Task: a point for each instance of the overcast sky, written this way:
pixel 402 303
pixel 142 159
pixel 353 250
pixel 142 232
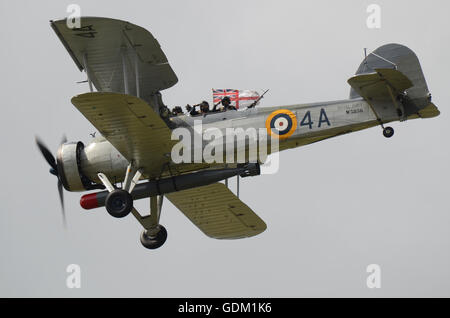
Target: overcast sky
pixel 333 208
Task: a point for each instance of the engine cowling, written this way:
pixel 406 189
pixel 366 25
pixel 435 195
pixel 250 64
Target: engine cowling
pixel 69 167
pixel 78 165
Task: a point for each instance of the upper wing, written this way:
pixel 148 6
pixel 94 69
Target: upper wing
pixel 116 54
pixel 131 126
pixel 217 212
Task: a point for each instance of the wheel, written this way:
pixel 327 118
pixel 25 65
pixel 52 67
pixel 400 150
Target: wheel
pixel 388 132
pixel 154 241
pixel 119 203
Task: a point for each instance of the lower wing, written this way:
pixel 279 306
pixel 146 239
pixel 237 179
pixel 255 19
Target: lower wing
pixel 217 212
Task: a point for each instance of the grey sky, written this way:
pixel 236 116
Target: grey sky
pixel 334 207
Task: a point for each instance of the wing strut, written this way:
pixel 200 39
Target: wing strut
pixel 124 69
pixel 136 72
pixel 237 185
pixel 87 71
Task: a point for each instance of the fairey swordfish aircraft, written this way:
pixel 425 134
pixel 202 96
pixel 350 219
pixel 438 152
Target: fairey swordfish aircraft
pixel 132 158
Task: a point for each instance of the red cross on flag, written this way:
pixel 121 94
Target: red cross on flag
pixel 239 98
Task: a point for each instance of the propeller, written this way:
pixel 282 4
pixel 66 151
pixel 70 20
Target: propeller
pixel 54 170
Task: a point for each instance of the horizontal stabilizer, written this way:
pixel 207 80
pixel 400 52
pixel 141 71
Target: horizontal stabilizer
pixel 374 85
pixel 428 112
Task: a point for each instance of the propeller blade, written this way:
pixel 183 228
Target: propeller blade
pixel 54 170
pixel 46 153
pixel 61 199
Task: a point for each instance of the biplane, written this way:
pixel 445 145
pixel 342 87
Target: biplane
pixel 131 157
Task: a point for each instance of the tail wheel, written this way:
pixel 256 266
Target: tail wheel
pixel 119 203
pixel 388 132
pixel 154 240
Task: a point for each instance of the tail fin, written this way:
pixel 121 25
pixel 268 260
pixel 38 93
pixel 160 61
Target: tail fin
pixel 399 57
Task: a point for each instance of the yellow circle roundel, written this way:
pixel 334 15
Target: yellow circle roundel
pixel 281 123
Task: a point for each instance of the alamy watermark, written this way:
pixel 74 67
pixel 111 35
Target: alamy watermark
pixel 374 279
pixel 374 19
pixel 228 145
pixel 73 19
pixel 73 280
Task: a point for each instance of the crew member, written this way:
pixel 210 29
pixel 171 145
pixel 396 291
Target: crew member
pixel 226 102
pixel 204 109
pixel 177 110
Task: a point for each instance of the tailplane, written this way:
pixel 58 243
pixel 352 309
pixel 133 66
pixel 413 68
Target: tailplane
pixel 393 71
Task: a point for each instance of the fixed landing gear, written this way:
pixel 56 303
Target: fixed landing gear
pixel 119 203
pixel 151 239
pixel 154 234
pixel 388 132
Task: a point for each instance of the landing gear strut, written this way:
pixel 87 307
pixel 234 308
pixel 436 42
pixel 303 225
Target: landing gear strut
pixel 154 234
pixel 119 203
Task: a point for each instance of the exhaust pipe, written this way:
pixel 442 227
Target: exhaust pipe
pixel 172 184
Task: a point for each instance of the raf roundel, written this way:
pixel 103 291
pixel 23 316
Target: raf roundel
pixel 281 123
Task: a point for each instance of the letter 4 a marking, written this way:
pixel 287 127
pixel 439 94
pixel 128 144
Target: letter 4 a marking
pixel 323 118
pixel 307 123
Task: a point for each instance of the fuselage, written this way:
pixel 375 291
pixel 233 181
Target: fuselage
pixel 313 122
